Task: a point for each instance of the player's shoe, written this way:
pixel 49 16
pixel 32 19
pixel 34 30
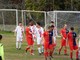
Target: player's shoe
pixel 66 54
pixel 59 52
pixel 71 58
pixel 32 54
pixel 77 59
pixel 19 48
pixel 50 58
pixel 40 53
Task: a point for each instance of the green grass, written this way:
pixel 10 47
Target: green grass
pixel 12 54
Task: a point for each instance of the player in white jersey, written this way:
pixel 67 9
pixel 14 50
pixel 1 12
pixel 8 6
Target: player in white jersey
pixel 19 35
pixel 79 47
pixel 33 29
pixel 39 33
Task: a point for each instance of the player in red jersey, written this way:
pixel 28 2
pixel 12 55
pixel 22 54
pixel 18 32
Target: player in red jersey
pixel 72 43
pixel 29 39
pixel 48 43
pixel 63 33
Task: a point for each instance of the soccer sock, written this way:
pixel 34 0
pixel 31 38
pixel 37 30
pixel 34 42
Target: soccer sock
pixel 65 51
pixel 39 50
pixel 42 48
pixel 71 55
pixel 46 54
pixel 76 54
pixel 31 51
pixel 59 50
pixel 16 44
pixel 51 53
pixel 20 43
pixel 27 48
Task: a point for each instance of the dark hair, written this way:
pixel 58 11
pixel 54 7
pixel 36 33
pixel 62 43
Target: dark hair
pixel 30 21
pixel 20 22
pixel 72 28
pixel 39 23
pixel 52 26
pixel 52 21
pixel 0 37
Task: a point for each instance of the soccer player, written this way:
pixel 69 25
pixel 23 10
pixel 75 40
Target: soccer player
pixel 63 33
pixel 29 39
pixel 39 33
pixel 19 35
pixel 33 29
pixel 54 35
pixel 1 49
pixel 79 47
pixel 48 42
pixel 72 43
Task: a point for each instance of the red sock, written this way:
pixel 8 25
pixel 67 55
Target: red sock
pixel 46 54
pixel 27 48
pixel 60 50
pixel 71 55
pixel 65 51
pixel 76 54
pixel 51 53
pixel 31 51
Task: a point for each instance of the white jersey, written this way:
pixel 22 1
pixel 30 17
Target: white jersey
pixel 54 32
pixel 79 42
pixel 19 30
pixel 39 32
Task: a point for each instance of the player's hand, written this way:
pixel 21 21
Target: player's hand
pixel 64 38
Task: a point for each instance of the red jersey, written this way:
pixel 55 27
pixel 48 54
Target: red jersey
pixel 72 38
pixel 46 36
pixel 64 32
pixel 28 35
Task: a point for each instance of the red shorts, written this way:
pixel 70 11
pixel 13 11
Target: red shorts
pixel 48 46
pixel 30 41
pixel 51 46
pixel 63 42
pixel 73 47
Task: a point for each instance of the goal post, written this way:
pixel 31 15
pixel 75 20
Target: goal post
pixel 36 16
pixel 8 19
pixel 71 18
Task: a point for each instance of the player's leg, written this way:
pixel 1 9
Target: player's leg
pixel 39 45
pixel 71 51
pixel 0 58
pixel 79 53
pixel 17 42
pixel 62 44
pixel 46 51
pixel 51 47
pixel 31 50
pixel 71 54
pixel 76 48
pixel 42 48
pixel 20 42
pixel 54 49
pixel 65 50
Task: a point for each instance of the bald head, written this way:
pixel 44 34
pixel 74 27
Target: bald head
pixel 65 26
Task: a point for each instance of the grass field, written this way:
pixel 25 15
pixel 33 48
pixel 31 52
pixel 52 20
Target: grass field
pixel 11 53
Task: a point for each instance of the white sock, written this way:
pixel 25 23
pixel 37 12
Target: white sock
pixel 39 50
pixel 20 43
pixel 42 48
pixel 17 44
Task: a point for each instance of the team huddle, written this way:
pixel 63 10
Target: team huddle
pixel 46 39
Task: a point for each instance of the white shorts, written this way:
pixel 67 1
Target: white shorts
pixel 38 40
pixel 19 38
pixel 79 44
pixel 54 40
